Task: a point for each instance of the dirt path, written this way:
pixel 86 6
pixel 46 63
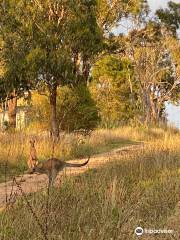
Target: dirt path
pixel 27 183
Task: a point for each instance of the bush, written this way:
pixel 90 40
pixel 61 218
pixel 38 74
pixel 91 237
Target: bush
pixel 75 109
pixel 111 88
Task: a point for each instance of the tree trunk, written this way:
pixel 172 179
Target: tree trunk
pixel 12 106
pixel 53 117
pixel 86 69
pixel 77 61
pixel 146 107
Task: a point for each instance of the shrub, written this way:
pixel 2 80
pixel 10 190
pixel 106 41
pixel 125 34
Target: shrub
pixel 75 110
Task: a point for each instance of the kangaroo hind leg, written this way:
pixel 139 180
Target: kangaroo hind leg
pixel 52 176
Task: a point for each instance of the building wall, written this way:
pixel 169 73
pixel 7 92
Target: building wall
pixel 21 121
pixel 3 118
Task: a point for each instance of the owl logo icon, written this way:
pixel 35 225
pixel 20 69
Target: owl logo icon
pixel 139 231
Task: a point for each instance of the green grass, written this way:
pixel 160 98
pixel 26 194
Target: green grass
pixel 137 189
pixel 8 170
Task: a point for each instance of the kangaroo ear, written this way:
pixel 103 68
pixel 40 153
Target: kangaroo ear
pixel 32 140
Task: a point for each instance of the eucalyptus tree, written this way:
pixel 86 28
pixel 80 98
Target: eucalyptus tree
pixel 156 70
pixel 170 17
pixel 110 13
pixel 49 43
pixel 113 88
pixel 13 81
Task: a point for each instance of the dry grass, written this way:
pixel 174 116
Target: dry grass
pixel 137 189
pixel 14 147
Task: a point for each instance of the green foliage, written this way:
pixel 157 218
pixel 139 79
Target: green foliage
pixel 109 13
pixel 83 28
pixel 111 88
pixel 43 40
pixel 170 17
pixel 42 37
pixel 75 109
pixel 14 46
pixel 47 44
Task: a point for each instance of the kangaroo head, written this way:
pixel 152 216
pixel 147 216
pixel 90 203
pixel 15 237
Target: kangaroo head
pixel 38 168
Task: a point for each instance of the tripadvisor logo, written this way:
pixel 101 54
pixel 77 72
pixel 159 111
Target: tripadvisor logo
pixel 139 231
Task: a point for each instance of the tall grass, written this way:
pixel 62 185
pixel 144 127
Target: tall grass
pixel 137 189
pixel 14 147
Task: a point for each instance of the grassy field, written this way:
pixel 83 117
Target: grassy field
pixel 137 189
pixel 14 147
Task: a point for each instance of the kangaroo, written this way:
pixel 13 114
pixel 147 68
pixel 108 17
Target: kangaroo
pixel 32 161
pixel 53 166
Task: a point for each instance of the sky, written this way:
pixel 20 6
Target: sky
pixel 173 115
pixel 172 111
pixel 154 4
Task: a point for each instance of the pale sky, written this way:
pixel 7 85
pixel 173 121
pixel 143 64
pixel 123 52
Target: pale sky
pixel 154 4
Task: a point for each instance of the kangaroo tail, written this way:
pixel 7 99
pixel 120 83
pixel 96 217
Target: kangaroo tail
pixel 77 164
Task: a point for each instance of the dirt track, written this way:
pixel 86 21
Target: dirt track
pixel 27 183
